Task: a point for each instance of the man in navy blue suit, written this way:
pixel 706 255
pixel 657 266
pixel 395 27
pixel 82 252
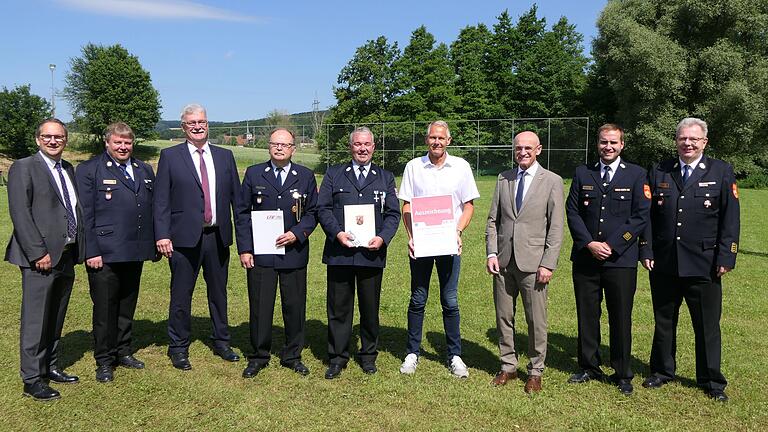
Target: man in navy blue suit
pixel 196 190
pixel 608 208
pixel 350 266
pixel 116 196
pixel 277 184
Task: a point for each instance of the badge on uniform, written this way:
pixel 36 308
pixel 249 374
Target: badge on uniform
pixel 707 203
pixel 734 247
pixel 587 187
pixel 647 191
pixel 297 203
pixel 735 190
pixel 664 185
pixel 258 197
pixel 109 181
pixel 108 194
pixel 627 236
pixel 586 203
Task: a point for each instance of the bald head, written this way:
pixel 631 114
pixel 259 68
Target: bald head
pixel 527 147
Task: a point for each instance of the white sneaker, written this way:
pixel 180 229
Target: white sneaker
pixel 458 368
pixel 409 364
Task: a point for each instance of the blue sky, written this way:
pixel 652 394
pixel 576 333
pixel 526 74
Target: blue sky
pixel 239 58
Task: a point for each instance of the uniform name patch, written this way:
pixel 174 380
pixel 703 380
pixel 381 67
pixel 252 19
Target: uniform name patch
pixel 622 190
pixel 109 181
pixel 587 187
pixel 664 185
pixel 705 184
pixel 627 236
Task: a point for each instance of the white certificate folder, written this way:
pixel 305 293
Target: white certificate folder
pixel 267 226
pixel 360 221
pixel 433 226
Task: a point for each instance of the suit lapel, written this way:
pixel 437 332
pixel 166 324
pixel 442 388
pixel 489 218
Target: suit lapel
pixel 270 177
pixel 676 176
pixel 533 188
pixel 42 165
pixel 372 173
pixel 113 169
pixel 349 171
pixel 138 175
pixel 697 172
pixel 187 158
pixel 597 177
pixel 290 179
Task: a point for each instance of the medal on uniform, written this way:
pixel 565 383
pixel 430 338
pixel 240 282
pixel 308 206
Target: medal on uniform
pixel 258 198
pixel 109 163
pixel 296 209
pixel 108 194
pixel 383 196
pixel 586 203
pixel 707 203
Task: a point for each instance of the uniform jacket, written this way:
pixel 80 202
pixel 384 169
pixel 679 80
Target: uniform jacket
pixel 694 227
pixel 533 233
pixel 178 193
pixel 616 214
pixel 339 188
pixel 261 191
pixel 117 217
pixel 38 213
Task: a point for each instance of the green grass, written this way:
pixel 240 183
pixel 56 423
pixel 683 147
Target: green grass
pixel 214 396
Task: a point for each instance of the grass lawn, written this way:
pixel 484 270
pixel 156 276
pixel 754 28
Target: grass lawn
pixel 213 395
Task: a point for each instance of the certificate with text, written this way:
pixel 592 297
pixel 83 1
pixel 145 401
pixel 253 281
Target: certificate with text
pixel 267 226
pixel 434 229
pixel 360 221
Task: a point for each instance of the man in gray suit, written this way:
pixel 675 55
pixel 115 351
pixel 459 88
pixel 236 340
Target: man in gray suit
pixel 523 238
pixel 46 243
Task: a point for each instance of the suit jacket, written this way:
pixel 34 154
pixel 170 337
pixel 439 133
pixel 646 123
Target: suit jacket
pixel 178 201
pixel 117 216
pixel 533 233
pixel 694 227
pixel 261 191
pixel 616 214
pixel 38 213
pixel 339 188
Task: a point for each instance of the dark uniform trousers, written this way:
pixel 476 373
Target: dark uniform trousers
pixel 296 196
pixel 117 217
pixel 353 270
pixel 616 213
pixel 694 229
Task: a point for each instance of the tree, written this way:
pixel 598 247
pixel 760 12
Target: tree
pixel 668 59
pixel 20 113
pixel 108 84
pixel 469 55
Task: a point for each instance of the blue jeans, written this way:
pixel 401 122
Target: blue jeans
pixel 448 267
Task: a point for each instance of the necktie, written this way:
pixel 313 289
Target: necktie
pixel 127 176
pixel 606 175
pixel 71 224
pixel 207 213
pixel 361 177
pixel 279 175
pixel 686 173
pixel 519 194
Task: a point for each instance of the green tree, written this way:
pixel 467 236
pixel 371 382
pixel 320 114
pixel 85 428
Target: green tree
pixel 469 55
pixel 668 59
pixel 20 113
pixel 108 84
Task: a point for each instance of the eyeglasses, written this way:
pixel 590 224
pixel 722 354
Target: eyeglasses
pixel 58 138
pixel 279 145
pixel 693 140
pixel 193 123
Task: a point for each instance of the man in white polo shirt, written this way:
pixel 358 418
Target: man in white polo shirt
pixel 437 173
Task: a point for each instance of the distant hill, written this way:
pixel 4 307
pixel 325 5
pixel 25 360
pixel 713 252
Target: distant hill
pixel 297 119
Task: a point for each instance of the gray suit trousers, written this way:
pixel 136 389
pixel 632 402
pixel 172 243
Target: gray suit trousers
pixel 506 286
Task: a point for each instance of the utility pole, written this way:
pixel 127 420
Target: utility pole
pixel 52 67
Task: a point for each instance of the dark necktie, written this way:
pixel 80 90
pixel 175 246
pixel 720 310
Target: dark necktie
pixel 71 224
pixel 686 173
pixel 606 175
pixel 279 175
pixel 361 176
pixel 207 212
pixel 519 194
pixel 127 176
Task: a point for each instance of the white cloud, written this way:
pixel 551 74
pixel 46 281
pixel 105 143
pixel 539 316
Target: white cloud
pixel 158 9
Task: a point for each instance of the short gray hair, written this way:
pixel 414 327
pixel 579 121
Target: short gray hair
pixel 361 130
pixel 192 109
pixel 691 121
pixel 440 123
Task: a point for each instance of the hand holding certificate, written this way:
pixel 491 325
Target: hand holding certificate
pixel 267 226
pixel 360 224
pixel 433 226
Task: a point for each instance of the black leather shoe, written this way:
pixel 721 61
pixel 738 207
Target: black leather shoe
pixel 718 395
pixel 369 368
pixel 180 361
pixel 654 381
pixel 59 376
pixel 40 391
pixel 584 376
pixel 625 387
pixel 227 354
pixel 297 367
pixel 334 371
pixel 104 373
pixel 131 362
pixel 253 368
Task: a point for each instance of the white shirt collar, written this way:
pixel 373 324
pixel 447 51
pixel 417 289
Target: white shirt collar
pixel 427 162
pixel 48 161
pixel 286 168
pixel 531 169
pixel 367 167
pixel 693 164
pixel 192 149
pixel 614 165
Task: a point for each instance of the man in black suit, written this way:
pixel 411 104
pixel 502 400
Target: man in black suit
pixel 46 243
pixel 277 184
pixel 116 196
pixel 607 210
pixel 196 190
pixel 692 242
pixel 351 265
